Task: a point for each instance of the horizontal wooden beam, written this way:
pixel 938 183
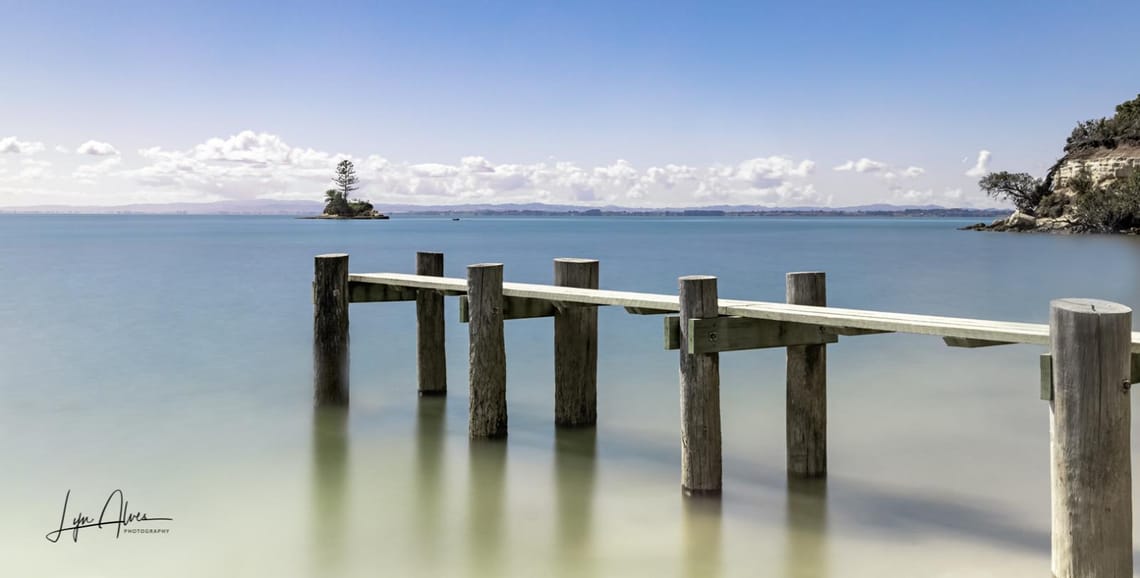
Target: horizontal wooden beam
pixel 647 311
pixel 738 333
pixel 719 334
pixel 1135 368
pixel 852 331
pixel 972 343
pixel 515 308
pixel 831 317
pixel 574 295
pixel 562 306
pixel 1047 374
pixel 672 332
pixel 369 293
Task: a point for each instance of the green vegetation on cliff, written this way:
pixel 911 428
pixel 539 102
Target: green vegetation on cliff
pixel 1121 128
pixel 1111 209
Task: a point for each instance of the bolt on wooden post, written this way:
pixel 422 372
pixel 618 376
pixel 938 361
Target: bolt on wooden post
pixel 330 330
pixel 1090 414
pixel 807 386
pixel 487 410
pixel 700 394
pixel 431 357
pixel 576 348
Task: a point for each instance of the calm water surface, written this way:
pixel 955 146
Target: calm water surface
pixel 170 357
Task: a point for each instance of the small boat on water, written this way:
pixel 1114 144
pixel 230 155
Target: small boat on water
pixel 455 218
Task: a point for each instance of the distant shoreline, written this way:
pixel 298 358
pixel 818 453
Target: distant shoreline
pixel 902 213
pixel 821 213
pixel 313 208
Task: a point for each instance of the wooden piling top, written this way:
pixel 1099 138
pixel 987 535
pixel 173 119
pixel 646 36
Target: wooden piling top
pixel 1090 306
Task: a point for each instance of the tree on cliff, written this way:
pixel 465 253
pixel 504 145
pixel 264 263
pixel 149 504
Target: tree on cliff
pixel 1021 189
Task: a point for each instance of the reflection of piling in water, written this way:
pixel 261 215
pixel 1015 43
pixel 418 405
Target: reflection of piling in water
pixel 805 555
pixel 330 480
pixel 702 537
pixel 430 435
pixel 487 488
pixel 574 471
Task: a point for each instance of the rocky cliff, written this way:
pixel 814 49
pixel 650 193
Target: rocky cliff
pixel 1105 166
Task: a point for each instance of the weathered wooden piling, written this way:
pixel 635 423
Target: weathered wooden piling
pixel 1089 434
pixel 431 357
pixel 487 411
pixel 330 330
pixel 807 386
pixel 700 394
pixel 576 348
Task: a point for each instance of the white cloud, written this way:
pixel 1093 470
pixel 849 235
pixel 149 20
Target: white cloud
pixel 97 149
pixel 12 145
pixel 863 165
pixel 91 173
pixel 982 167
pixel 31 170
pixel 62 149
pixel 258 149
pixel 241 166
pixel 433 170
pixel 262 165
pixel 880 169
pixel 772 170
pixel 923 196
pixel 947 197
pixel 765 180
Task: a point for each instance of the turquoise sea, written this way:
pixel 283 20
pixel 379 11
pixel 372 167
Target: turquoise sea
pixel 170 357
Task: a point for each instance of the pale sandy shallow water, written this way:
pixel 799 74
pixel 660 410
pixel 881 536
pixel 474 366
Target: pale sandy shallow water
pixel 169 357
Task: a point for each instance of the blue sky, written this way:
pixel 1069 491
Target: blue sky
pixel 631 103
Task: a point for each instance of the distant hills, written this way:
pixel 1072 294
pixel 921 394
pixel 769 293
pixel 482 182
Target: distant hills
pixel 308 208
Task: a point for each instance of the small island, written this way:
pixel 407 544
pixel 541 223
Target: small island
pixel 337 203
pixel 1093 188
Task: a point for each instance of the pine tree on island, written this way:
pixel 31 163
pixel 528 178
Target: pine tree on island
pixel 337 203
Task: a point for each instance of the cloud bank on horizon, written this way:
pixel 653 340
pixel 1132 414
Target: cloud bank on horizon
pixel 260 165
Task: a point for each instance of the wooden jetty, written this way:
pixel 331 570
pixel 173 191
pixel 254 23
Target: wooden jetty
pixel 1093 359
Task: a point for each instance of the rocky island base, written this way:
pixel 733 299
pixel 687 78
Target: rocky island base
pixel 373 217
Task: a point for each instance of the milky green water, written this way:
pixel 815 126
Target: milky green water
pixel 170 357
